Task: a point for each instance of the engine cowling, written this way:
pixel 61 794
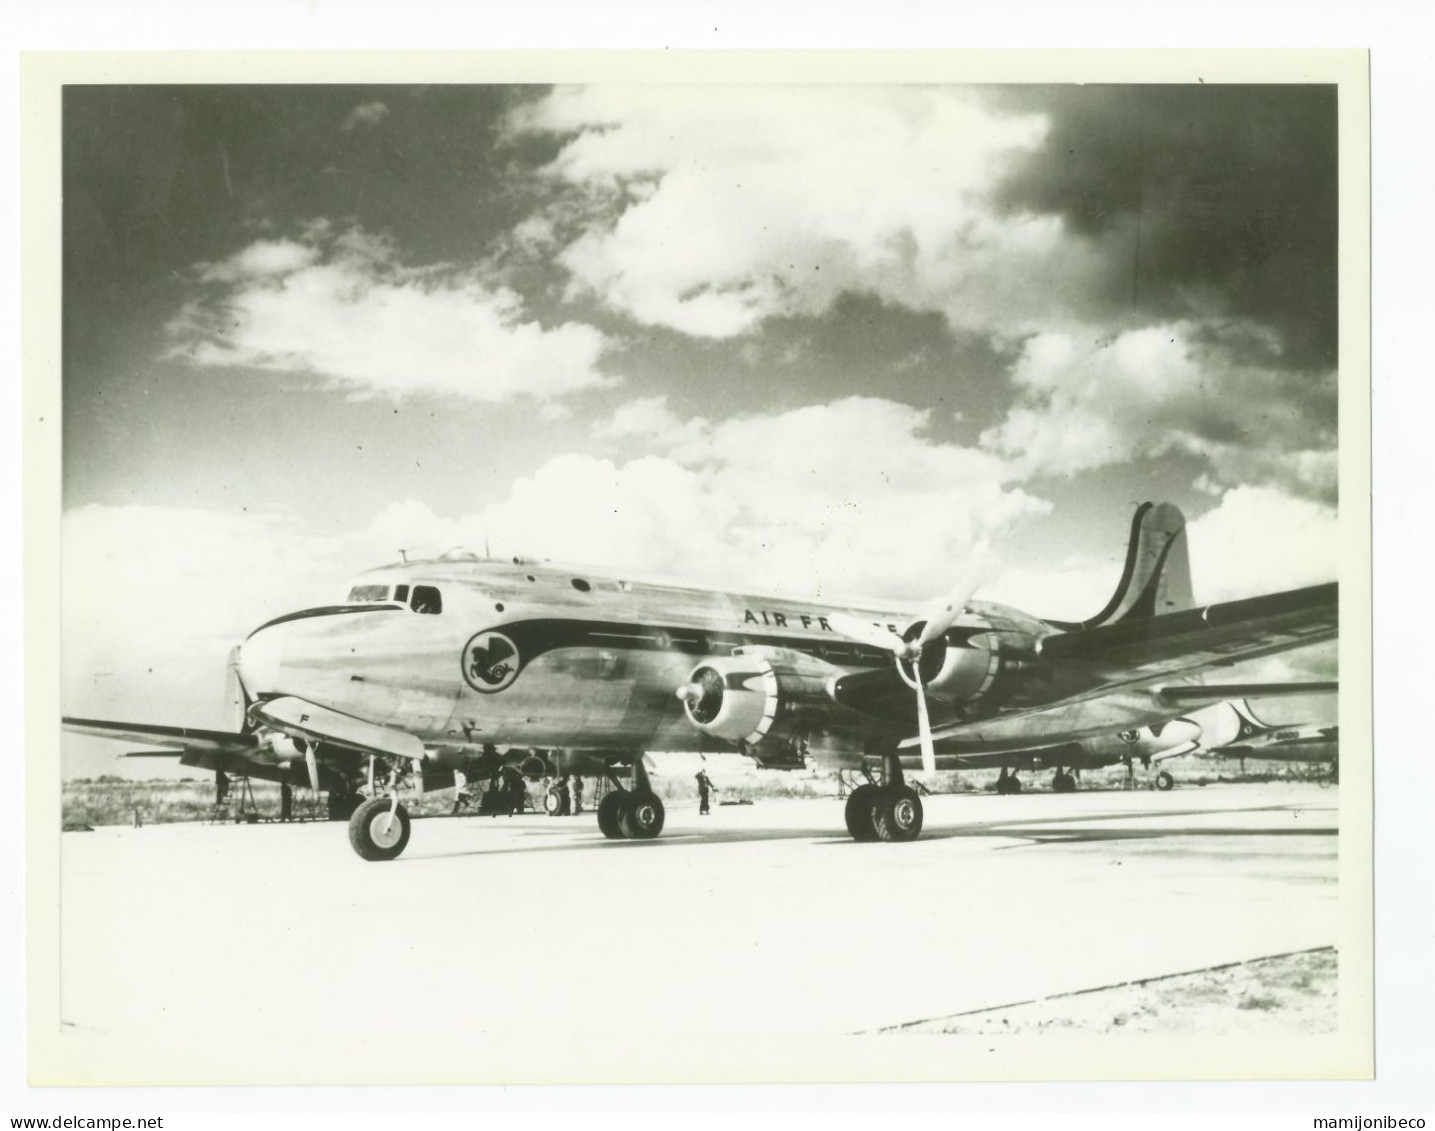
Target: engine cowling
pixel 751 697
pixel 974 661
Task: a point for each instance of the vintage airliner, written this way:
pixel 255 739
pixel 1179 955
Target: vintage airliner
pixel 466 664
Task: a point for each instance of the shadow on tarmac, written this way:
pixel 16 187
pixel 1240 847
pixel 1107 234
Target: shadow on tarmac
pixel 1033 831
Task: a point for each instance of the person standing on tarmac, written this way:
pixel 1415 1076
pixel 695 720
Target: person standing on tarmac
pixel 577 794
pixel 513 784
pixel 705 786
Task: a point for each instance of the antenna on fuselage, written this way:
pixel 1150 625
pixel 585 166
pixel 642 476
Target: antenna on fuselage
pixel 405 555
pixel 488 557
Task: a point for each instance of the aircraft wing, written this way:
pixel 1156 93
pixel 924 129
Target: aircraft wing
pixel 178 739
pixel 1155 658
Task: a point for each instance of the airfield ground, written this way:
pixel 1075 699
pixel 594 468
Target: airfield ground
pixel 272 952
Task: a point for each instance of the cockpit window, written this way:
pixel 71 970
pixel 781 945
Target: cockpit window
pixel 363 594
pixel 426 599
pixel 401 593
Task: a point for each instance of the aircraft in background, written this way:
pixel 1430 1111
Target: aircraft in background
pixel 1312 741
pixel 1228 728
pixel 464 664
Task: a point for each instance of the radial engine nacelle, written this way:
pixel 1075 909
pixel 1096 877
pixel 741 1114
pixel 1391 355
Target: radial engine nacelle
pixel 753 696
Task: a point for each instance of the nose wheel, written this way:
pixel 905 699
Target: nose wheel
pixel 379 829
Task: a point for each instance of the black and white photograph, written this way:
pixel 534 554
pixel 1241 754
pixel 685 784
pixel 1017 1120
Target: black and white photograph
pixel 792 574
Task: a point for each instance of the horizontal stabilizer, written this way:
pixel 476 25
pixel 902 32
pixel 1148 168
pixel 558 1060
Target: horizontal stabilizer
pixel 1204 692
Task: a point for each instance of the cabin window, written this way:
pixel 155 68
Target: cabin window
pixel 581 585
pixel 364 594
pixel 426 600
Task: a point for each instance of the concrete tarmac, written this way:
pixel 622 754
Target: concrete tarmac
pixel 272 953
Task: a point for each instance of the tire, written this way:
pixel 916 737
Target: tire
pixel 608 810
pixel 369 834
pixel 1164 781
pixel 1063 783
pixel 897 815
pixel 859 812
pixel 642 817
pixel 552 803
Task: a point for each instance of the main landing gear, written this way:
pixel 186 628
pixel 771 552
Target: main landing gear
pixel 891 811
pixel 1008 782
pixel 631 814
pixel 1063 781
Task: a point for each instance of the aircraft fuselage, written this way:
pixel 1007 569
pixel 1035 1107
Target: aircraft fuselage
pixel 522 654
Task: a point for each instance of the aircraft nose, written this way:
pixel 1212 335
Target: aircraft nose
pixel 260 658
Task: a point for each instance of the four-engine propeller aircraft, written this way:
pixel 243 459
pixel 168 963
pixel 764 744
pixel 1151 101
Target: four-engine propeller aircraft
pixel 466 664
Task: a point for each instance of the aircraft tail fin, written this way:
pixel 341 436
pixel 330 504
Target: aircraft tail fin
pixel 1157 576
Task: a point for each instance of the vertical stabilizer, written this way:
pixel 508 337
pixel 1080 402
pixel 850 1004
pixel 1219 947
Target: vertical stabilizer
pixel 1157 576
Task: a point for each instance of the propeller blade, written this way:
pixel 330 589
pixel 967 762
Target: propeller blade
pixel 865 633
pixel 236 695
pixel 924 731
pixel 313 765
pixel 956 601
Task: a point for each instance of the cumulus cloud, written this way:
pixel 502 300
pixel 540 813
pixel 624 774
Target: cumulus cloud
pixel 365 114
pixel 1213 390
pixel 342 306
pixel 708 213
pixel 1261 540
pixel 1229 192
pixel 846 497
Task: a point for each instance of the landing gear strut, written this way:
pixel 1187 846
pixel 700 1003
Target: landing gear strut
pixel 631 814
pixel 891 811
pixel 1008 782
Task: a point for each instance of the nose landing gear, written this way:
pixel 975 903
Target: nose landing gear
pixel 379 828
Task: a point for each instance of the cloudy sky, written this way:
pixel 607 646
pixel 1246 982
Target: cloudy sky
pixel 803 338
